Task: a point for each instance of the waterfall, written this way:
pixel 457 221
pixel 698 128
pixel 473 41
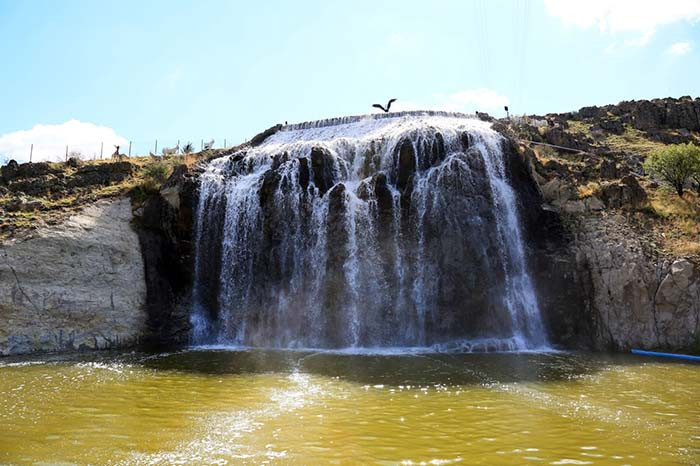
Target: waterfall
pixel 374 231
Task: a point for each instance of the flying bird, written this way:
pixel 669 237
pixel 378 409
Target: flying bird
pixel 388 106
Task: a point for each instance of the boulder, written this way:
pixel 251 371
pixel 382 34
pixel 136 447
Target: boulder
pixel 9 171
pixel 558 137
pixel 611 125
pixel 608 170
pixel 557 192
pixel 594 204
pixel 590 112
pixel 626 193
pixel 32 170
pixel 101 174
pixel 74 162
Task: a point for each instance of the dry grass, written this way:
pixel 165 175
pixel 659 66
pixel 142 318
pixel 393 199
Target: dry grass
pixel 578 127
pixel 589 189
pixel 678 224
pixel 632 140
pixel 138 187
pixel 545 153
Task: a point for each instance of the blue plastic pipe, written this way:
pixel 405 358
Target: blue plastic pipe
pixel 687 357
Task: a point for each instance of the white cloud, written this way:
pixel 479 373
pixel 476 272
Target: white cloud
pixel 638 18
pixel 679 48
pixel 50 141
pixel 465 101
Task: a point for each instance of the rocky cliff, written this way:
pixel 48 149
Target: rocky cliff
pixel 619 264
pixel 78 284
pixel 636 300
pixel 615 259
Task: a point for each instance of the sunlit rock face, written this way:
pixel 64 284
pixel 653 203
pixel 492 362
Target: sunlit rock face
pixel 372 231
pixel 76 285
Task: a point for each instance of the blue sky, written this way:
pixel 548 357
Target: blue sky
pixel 135 70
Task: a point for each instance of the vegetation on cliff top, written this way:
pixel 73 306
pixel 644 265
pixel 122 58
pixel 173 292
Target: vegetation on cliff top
pixel 45 193
pixel 608 166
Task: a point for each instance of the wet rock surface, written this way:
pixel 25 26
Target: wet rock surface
pixel 164 226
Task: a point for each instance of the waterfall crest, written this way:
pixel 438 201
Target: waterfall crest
pixel 376 231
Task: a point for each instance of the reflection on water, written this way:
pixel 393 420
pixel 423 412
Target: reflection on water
pixel 284 407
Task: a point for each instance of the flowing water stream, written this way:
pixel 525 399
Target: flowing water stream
pixel 216 406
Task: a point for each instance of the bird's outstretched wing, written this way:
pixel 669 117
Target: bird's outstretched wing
pixel 388 105
pixel 379 106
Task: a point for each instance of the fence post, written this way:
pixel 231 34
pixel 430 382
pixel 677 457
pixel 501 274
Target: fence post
pixel 155 152
pixel 201 145
pixel 66 153
pixel 102 146
pixel 224 143
pixel 129 148
pixel 31 152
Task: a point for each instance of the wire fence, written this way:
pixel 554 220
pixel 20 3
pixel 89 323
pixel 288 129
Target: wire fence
pixel 103 150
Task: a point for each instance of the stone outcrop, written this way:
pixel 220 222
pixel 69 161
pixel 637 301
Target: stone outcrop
pixel 43 179
pixel 601 283
pixel 626 193
pixel 634 299
pixel 77 285
pixel 658 118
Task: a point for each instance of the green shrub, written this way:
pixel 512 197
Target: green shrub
pixel 675 165
pixel 157 172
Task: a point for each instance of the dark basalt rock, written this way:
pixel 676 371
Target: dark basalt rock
pixel 260 137
pixel 323 168
pixel 165 234
pixel 9 171
pixel 626 193
pixel 558 137
pixel 608 170
pixel 31 170
pixel 38 186
pixel 613 126
pixel 101 174
pixel 590 112
pixel 74 162
pixel 304 173
pixel 406 164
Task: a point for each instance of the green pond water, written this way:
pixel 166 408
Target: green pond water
pixel 282 407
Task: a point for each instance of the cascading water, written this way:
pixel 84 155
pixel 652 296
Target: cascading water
pixel 376 231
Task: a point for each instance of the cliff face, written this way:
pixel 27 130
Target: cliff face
pixel 613 270
pixel 635 301
pixel 164 225
pixel 78 284
pixel 619 266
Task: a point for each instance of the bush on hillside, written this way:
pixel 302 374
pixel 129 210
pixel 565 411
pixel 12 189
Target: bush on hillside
pixel 676 165
pixel 158 172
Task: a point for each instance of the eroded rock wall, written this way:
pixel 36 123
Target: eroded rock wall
pixel 76 285
pixel 635 300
